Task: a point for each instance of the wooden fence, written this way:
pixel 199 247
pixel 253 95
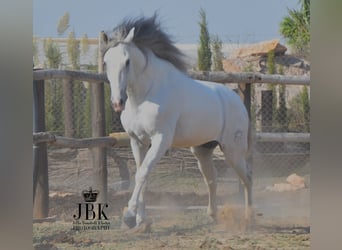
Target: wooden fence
pixel 99 140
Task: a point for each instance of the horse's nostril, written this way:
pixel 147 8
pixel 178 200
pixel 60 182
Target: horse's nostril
pixel 121 102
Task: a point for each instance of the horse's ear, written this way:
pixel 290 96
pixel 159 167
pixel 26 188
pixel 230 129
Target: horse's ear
pixel 104 37
pixel 129 37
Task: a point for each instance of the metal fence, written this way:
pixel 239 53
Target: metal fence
pixel 281 109
pixel 68 109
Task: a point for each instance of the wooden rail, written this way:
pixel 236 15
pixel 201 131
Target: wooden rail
pixel 246 77
pixel 121 139
pixel 220 77
pixel 46 74
pixel 282 137
pixel 73 142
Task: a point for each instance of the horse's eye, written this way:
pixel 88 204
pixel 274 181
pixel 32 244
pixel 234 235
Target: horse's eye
pixel 127 63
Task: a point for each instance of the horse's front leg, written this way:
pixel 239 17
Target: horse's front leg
pixel 160 143
pixel 139 151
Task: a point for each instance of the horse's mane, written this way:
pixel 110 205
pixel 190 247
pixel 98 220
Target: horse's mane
pixel 148 35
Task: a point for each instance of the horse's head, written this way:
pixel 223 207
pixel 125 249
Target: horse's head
pixel 123 65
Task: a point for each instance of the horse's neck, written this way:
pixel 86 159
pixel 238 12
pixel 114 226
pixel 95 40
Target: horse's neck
pixel 153 76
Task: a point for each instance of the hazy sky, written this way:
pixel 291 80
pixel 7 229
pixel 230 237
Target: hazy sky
pixel 236 21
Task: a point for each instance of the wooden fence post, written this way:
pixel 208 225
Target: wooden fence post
pixel 244 91
pixel 40 161
pixel 266 110
pixel 98 130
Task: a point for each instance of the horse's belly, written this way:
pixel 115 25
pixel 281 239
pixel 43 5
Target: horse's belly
pixel 192 140
pixel 186 143
pixel 197 131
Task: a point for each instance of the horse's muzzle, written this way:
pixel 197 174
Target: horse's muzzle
pixel 118 106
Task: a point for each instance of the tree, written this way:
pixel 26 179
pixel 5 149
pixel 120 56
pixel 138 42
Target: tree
pixel 281 114
pixel 271 69
pixel 299 111
pixel 84 44
pixel 279 110
pixel 216 45
pixel 54 115
pixel 306 108
pixel 53 91
pixel 35 51
pixel 296 28
pixel 73 50
pixel 63 24
pixel 270 63
pixel 52 53
pixel 204 52
pixel 76 91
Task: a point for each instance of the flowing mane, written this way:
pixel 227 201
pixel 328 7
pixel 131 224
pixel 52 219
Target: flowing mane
pixel 148 36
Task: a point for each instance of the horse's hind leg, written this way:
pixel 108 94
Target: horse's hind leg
pixel 205 164
pixel 236 158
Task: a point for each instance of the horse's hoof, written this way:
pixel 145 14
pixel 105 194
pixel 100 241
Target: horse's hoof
pixel 213 219
pixel 143 227
pixel 212 213
pixel 130 221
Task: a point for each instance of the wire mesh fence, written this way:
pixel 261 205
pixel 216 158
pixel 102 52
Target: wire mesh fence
pixel 68 109
pixel 280 109
pixel 274 109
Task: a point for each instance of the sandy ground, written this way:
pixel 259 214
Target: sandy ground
pixel 176 204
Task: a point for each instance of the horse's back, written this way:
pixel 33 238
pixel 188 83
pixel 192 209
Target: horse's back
pixel 230 101
pixel 200 114
pixel 206 109
pixel 233 115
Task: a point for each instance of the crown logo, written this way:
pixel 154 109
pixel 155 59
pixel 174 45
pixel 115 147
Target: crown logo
pixel 90 195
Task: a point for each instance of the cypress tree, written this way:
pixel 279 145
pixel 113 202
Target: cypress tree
pixel 35 51
pixel 85 44
pixel 306 108
pixel 73 90
pixel 52 53
pixel 73 50
pixel 204 52
pixel 217 53
pixel 271 69
pixel 282 110
pixel 53 90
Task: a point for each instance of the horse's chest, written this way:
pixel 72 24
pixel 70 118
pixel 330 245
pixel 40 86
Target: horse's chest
pixel 139 124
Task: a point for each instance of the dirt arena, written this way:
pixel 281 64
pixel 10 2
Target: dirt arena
pixel 176 209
